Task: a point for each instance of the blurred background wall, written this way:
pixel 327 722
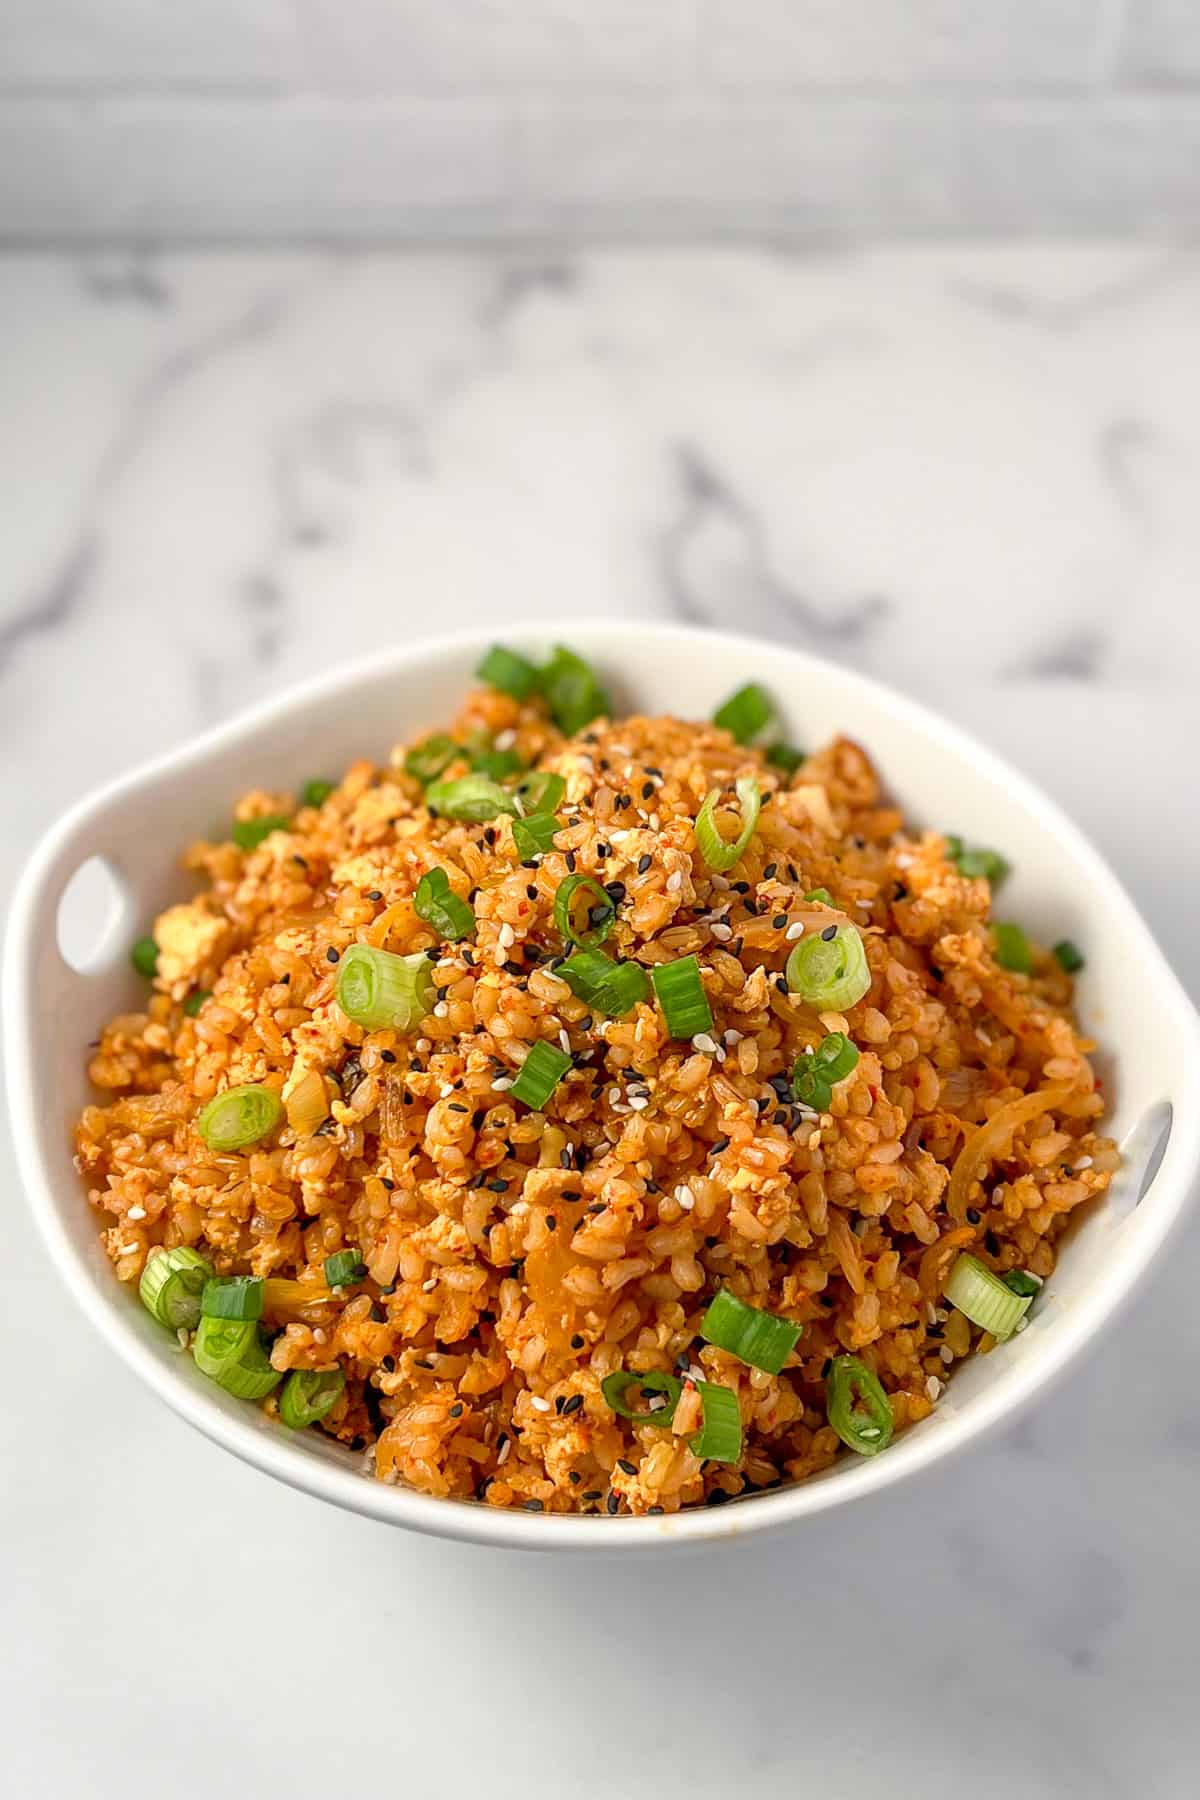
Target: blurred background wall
pixel 192 120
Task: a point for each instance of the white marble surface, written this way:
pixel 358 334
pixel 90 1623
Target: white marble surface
pixel 974 472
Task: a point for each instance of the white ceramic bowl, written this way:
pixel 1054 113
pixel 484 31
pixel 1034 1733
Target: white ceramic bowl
pixel 1128 998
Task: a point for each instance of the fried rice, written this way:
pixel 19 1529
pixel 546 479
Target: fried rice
pixel 515 1258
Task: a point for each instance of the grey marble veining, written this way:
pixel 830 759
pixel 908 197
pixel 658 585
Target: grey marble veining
pixel 970 472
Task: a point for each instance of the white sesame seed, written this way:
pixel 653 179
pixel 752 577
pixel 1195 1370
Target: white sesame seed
pixel 702 1041
pixel 1082 1162
pixel 674 881
pixel 503 1455
pixel 685 1197
pixel 318 1336
pixel 933 1387
pixel 654 822
pixel 441 1010
pixel 506 936
pixel 565 1041
pixel 506 739
pixel 502 1083
pixel 733 1037
pixel 638 1103
pixel 657 1404
pixel 447 1089
pixel 619 837
pixel 139 1212
pixel 128 1249
pixel 794 931
pixel 427 1287
pixel 539 1404
pixel 905 861
pixel 947 1355
pixel 722 933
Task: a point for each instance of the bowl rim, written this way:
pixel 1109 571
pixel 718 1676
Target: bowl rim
pixel 271 1450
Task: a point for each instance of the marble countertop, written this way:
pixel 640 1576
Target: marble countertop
pixel 972 472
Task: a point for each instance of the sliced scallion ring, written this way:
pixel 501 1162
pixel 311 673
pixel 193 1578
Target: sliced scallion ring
pixel 758 1338
pixel 539 792
pixel 316 793
pixel 431 757
pixel 195 1001
pixel 785 757
pixel 248 834
pixel 719 1438
pixel 986 1298
pixel 232 1297
pixel 817 1072
pixel 868 1429
pixel 680 993
pixel 573 692
pixel 1023 1283
pixel 437 903
pixel 144 957
pixel 622 1383
pixel 1069 956
pixel 344 1267
pixel 510 673
pixel 540 1073
pixel 830 969
pixel 239 1117
pixel 497 765
pixel 171 1285
pixel 601 913
pixel 308 1394
pixel 612 988
pixel 1012 949
pixel 474 798
pixel 231 1353
pixel 379 990
pixel 534 836
pixel 718 852
pixel 745 713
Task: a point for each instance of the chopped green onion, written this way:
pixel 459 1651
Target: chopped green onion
pixel 231 1353
pixel 810 1087
pixel 534 836
pixel 719 1438
pixel 758 1338
pixel 816 1073
pixel 316 793
pixel 431 757
pixel 171 1285
pixel 380 990
pixel 239 1117
pixel 829 969
pixel 540 1074
pixel 867 1430
pixel 308 1394
pixel 495 764
pixel 680 993
pixel 248 834
pixel 232 1297
pixel 539 791
pixel 820 895
pixel 601 912
pixel 613 988
pixel 144 957
pixel 986 1299
pixel 722 853
pixel 505 670
pixel 783 756
pixel 474 798
pixel 194 1002
pixel 836 1056
pixel 573 693
pixel 1069 956
pixel 437 903
pixel 344 1268
pixel 616 1386
pixel 977 862
pixel 745 713
pixel 1012 949
pixel 1022 1282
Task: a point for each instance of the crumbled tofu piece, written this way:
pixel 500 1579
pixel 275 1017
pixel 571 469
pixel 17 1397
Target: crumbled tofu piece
pixel 190 940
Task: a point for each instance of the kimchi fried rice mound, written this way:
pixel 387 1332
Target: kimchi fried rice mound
pixel 515 1258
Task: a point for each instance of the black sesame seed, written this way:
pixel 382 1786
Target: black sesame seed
pixel 826 1300
pixel 718 1497
pixel 573 1475
pixel 829 933
pixel 551 1222
pixel 533 1506
pixel 613 1503
pixel 332 955
pixel 489 835
pixel 779 921
pixel 375 894
pixel 569 859
pixel 655 1509
pixel 826 1366
pixel 388 1363
pixel 592 1494
pixel 992 1243
pixel 647 790
pixel 644 863
pixel 973 1215
pixel 740 887
pixel 487 1316
pixel 358 1443
pixel 603 850
pixel 720 1145
pixel 572 1405
pixel 389 1184
pixel 387 1056
pixel 769 871
pixel 558 1404
pixel 456 1410
pixel 624 1464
